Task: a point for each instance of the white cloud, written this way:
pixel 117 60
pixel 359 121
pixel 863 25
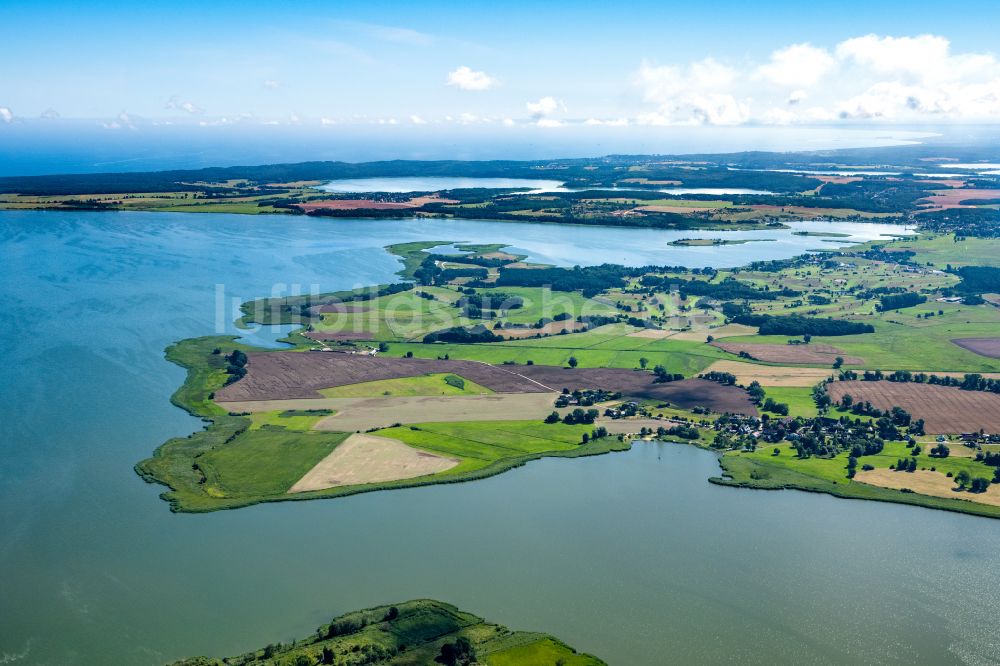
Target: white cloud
pixel 797 65
pixel 907 78
pixel 887 55
pixel 271 84
pixel 122 121
pixel 695 94
pixel 327 121
pixel 507 122
pixel 49 114
pixel 176 104
pixel 6 115
pixel 549 122
pixel 417 120
pixel 545 106
pixel 465 78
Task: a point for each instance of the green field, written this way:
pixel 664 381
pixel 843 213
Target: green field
pixel 799 399
pixel 264 461
pixel 411 633
pixel 482 444
pixel 300 420
pixel 941 250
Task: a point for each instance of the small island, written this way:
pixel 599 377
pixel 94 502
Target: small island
pixel 703 242
pixel 422 631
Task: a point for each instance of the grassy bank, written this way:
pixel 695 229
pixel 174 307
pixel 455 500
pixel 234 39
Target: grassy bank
pixel 762 470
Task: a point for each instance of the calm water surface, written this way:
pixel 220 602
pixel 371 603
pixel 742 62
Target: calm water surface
pixel 632 556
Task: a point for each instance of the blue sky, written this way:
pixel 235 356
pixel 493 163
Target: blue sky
pixel 500 63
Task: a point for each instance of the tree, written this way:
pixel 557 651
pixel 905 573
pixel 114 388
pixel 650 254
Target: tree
pixel 328 655
pixel 573 362
pixel 391 614
pixel 643 362
pixel 459 652
pixel 839 361
pixel 962 479
pixel 979 485
pixel 383 347
pixel 807 338
pixel 940 451
pixel 552 418
pixel 303 660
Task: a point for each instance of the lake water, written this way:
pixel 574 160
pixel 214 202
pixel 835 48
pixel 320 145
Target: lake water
pixel 632 556
pixel 531 185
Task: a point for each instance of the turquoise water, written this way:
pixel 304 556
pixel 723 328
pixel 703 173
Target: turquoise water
pixel 632 556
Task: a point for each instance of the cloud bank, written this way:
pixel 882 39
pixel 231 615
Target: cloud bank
pixel 871 77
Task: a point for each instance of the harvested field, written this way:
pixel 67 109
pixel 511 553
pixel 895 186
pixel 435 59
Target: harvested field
pixel 926 482
pixel 657 208
pixel 815 354
pixel 686 394
pixel 989 347
pixel 282 375
pixel 947 182
pixel 944 409
pixel 505 256
pixel 355 414
pixel 840 180
pixel 551 328
pixel 770 375
pixel 958 198
pixel 726 331
pixel 364 459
